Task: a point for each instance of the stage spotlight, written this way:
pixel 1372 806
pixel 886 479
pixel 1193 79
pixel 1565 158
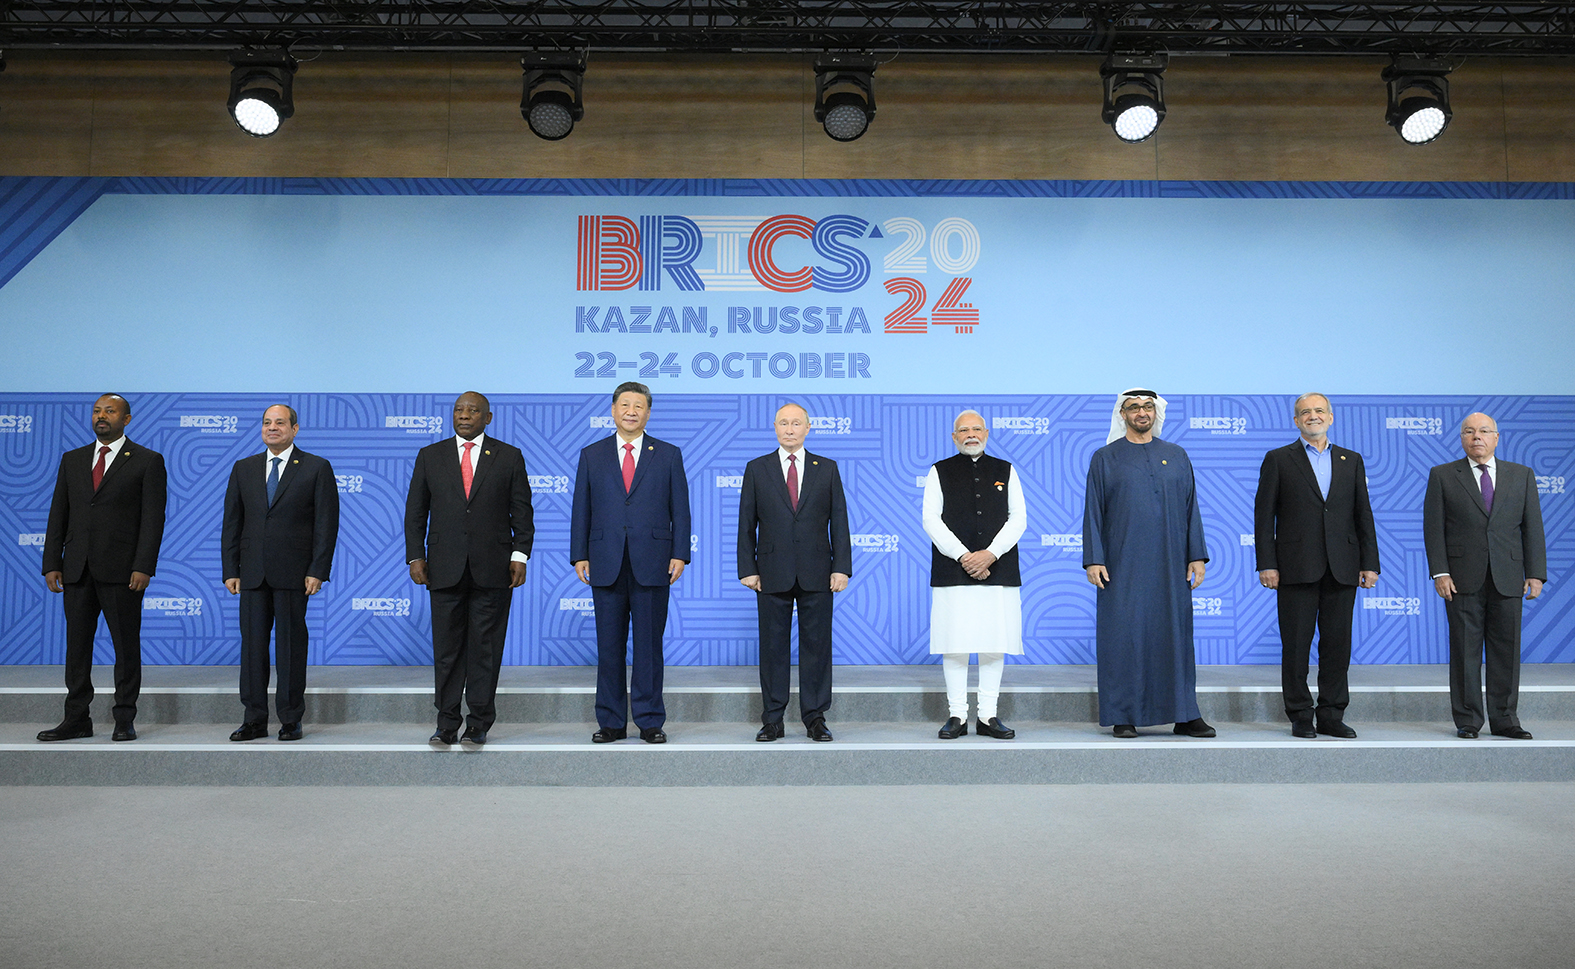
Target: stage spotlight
pixel 1134 94
pixel 260 82
pixel 551 102
pixel 1422 118
pixel 844 95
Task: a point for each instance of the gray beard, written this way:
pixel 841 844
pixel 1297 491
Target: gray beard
pixel 972 450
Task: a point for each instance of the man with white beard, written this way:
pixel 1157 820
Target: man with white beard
pixel 974 514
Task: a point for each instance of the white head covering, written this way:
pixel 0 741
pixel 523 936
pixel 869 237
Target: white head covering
pixel 1118 427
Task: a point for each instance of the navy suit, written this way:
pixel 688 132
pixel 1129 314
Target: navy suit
pixel 794 552
pixel 1489 557
pixel 629 539
pixel 96 540
pixel 271 549
pixel 467 548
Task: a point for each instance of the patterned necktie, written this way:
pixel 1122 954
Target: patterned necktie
pixel 98 469
pixel 467 473
pixel 628 467
pixel 273 479
pixel 1487 488
pixel 793 481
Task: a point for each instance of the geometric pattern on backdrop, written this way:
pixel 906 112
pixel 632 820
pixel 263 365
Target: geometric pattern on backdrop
pixel 371 614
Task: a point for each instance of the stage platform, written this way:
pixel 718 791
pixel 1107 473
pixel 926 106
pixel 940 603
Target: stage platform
pixel 368 726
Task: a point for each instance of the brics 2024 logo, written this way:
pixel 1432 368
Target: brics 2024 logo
pixel 16 423
pixel 784 254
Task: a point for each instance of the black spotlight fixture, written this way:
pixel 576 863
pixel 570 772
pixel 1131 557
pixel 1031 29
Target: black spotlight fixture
pixel 260 96
pixel 1134 94
pixel 844 95
pixel 1422 117
pixel 552 99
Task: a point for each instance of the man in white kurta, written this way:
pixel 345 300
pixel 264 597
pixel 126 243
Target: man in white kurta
pixel 974 514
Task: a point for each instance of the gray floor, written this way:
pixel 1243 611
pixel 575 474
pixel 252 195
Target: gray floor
pixel 1207 876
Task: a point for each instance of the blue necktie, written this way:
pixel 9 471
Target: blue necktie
pixel 273 479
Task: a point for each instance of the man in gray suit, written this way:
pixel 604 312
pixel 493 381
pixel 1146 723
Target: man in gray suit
pixel 1482 525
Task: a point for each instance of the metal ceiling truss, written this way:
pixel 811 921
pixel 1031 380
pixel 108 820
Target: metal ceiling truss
pixel 762 26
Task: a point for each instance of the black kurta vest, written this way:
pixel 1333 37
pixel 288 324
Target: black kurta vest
pixel 975 506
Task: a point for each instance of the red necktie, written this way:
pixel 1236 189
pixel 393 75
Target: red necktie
pixel 98 469
pixel 466 472
pixel 793 481
pixel 628 467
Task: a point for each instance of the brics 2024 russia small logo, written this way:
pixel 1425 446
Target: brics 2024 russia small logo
pixel 832 425
pixel 1208 606
pixel 16 423
pixel 602 420
pixel 414 423
pixel 173 605
pixel 1415 425
pixel 383 607
pixel 1550 484
pixel 1219 425
pixel 549 484
pixel 1394 605
pixel 212 423
pixel 584 607
pixel 350 484
pixel 729 481
pixel 1066 541
pixel 35 539
pixel 1021 425
pixel 875 542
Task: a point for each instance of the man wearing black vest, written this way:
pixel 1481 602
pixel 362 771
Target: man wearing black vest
pixel 794 548
pixel 974 514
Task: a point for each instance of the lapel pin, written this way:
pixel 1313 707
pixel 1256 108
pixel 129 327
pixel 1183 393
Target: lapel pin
pixel 486 452
pixel 650 447
pixel 1163 461
pixel 814 462
pixel 296 461
pixel 1342 457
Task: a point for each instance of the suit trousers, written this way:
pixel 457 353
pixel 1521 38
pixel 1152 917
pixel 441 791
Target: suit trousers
pixel 814 653
pixel 283 613
pixel 628 610
pixel 1484 626
pixel 1324 606
pixel 469 623
pixel 85 600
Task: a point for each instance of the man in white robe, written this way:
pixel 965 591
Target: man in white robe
pixel 974 514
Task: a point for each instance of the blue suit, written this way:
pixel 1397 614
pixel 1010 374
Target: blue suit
pixel 629 538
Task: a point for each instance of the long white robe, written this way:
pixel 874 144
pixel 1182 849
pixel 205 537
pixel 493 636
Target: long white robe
pixel 975 618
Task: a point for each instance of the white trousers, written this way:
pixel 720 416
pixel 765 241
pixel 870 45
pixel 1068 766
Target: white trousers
pixel 955 667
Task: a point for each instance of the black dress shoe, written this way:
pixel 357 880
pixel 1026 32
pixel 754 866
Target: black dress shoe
pixel 1303 729
pixel 1466 733
pixel 817 731
pixel 1195 727
pixel 953 728
pixel 1336 728
pixel 290 731
pixel 993 727
pixel 770 732
pixel 1513 733
pixel 473 737
pixel 1123 731
pixel 444 738
pixel 124 731
pixel 249 731
pixel 67 731
pixel 653 735
pixel 607 735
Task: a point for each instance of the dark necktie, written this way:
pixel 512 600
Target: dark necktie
pixel 793 481
pixel 273 479
pixel 1487 488
pixel 98 469
pixel 628 467
pixel 467 471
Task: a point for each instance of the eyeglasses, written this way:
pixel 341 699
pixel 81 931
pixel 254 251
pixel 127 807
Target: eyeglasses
pixel 1146 406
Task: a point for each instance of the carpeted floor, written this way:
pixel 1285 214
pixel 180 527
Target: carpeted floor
pixel 1131 876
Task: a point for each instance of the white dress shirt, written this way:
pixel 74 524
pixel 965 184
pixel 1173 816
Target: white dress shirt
pixel 268 457
pixel 475 457
pixel 782 459
pixel 639 446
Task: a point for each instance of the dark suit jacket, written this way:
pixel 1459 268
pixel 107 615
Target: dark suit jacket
pixel 1463 539
pixel 652 520
pixel 783 547
pixel 482 532
pixel 1300 533
pixel 120 528
pixel 293 538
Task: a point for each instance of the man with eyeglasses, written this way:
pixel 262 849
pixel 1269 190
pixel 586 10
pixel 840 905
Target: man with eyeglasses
pixel 1482 528
pixel 1143 550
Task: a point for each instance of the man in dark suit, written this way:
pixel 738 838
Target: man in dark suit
pixel 474 492
pixel 281 521
pixel 793 548
pixel 629 541
pixel 1316 544
pixel 1482 527
pixel 106 522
